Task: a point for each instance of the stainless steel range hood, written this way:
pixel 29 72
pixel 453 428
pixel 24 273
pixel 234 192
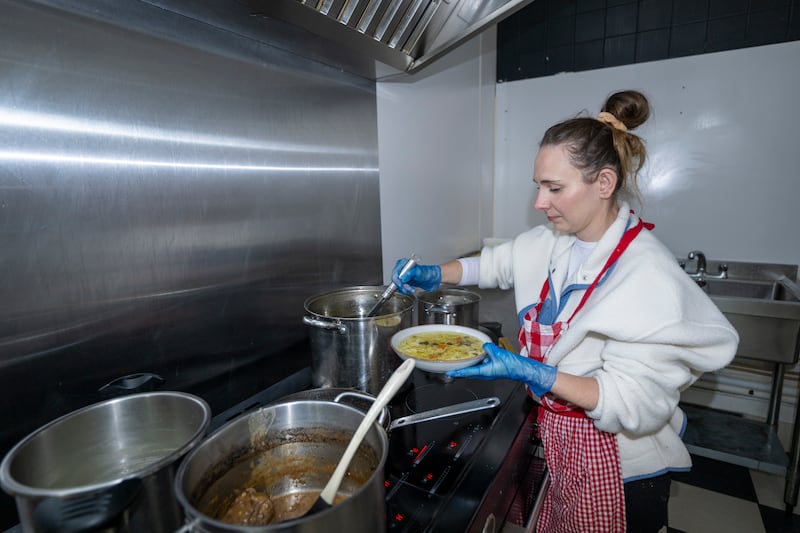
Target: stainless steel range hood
pixel 404 34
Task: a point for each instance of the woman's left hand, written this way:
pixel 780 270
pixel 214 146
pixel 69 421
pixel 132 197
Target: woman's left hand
pixel 502 364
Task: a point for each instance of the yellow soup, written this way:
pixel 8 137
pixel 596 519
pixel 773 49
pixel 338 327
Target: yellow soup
pixel 441 346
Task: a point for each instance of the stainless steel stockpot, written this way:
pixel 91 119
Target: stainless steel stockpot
pixel 451 306
pixel 289 450
pixel 348 348
pixel 107 467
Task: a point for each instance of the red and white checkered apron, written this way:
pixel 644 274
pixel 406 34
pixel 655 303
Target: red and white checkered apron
pixel 586 492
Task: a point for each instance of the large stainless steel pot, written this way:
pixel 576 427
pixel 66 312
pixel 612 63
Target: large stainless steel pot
pixel 288 450
pixel 348 348
pixel 451 306
pixel 107 467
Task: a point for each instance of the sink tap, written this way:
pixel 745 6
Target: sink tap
pixel 700 260
pixel 700 270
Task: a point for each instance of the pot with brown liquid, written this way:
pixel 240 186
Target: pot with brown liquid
pixel 273 463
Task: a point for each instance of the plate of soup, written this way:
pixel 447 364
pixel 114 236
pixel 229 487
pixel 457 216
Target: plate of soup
pixel 440 347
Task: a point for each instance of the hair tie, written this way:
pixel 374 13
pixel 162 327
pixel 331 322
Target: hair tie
pixel 611 120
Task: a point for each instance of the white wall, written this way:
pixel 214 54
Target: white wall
pixel 435 146
pixel 724 171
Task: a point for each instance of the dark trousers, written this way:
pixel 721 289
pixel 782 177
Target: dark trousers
pixel 646 504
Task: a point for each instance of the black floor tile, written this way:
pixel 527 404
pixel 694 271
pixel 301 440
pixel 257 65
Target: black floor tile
pixel 717 476
pixel 779 521
pixel 673 530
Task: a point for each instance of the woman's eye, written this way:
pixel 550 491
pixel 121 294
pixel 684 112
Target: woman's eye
pixel 554 189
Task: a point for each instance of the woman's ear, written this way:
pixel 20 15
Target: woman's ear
pixel 607 180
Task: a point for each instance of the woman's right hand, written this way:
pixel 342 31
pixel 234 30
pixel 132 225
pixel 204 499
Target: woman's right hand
pixel 425 277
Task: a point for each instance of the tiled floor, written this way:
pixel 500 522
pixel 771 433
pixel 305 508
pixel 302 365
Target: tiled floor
pixel 717 497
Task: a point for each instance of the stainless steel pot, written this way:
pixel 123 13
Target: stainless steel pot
pixel 107 467
pixel 451 306
pixel 348 348
pixel 288 450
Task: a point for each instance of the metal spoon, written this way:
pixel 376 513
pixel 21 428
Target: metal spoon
pixel 397 379
pixel 391 288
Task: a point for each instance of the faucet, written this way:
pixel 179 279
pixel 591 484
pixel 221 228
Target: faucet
pixel 700 273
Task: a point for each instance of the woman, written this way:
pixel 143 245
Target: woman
pixel 612 330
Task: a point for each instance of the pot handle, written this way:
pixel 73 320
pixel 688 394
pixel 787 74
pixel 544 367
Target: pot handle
pixel 132 383
pixel 84 514
pixel 382 418
pixel 317 323
pixel 443 412
pixel 449 314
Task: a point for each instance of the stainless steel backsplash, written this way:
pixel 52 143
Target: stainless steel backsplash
pixel 167 205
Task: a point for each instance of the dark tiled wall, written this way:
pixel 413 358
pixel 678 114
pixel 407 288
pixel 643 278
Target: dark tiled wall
pixel 552 36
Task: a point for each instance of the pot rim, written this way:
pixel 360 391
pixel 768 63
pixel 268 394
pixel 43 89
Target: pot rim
pixel 194 515
pixel 15 488
pixel 431 298
pixel 377 289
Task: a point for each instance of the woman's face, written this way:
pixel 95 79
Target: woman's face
pixel 571 204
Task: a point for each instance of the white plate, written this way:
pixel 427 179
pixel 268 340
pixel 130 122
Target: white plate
pixel 439 366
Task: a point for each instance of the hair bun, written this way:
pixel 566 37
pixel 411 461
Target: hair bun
pixel 631 108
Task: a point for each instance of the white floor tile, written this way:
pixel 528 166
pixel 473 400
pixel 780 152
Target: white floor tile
pixel 769 490
pixel 696 510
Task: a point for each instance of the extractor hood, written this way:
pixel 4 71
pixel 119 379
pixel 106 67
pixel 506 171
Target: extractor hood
pixel 404 34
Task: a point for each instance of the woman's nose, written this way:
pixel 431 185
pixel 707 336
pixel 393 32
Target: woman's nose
pixel 541 201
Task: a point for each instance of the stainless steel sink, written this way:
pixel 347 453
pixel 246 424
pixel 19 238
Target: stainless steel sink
pixel 765 311
pixel 775 291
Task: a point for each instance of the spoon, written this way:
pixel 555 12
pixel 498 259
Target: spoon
pixel 392 288
pixel 397 379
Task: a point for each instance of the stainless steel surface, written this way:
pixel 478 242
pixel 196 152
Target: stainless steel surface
pixel 765 312
pixel 349 349
pixel 741 270
pixel 404 34
pixel 447 411
pixel 762 301
pixel 758 290
pixel 392 287
pixel 89 452
pixel 210 470
pixel 170 194
pixel 455 306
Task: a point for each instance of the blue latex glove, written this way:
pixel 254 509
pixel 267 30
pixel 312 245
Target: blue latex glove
pixel 426 277
pixel 502 364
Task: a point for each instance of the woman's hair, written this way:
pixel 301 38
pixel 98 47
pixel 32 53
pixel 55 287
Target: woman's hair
pixel 606 142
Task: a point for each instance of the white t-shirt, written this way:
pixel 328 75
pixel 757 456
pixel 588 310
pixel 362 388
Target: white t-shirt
pixel 577 256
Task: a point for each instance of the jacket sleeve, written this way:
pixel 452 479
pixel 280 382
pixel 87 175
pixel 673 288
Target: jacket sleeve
pixel 640 383
pixel 497 270
pixel 523 255
pixel 680 334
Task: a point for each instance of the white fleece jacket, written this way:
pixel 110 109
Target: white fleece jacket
pixel 646 333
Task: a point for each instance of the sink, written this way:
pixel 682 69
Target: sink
pixel 775 291
pixel 765 312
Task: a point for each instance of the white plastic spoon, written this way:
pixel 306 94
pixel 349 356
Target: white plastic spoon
pixel 397 379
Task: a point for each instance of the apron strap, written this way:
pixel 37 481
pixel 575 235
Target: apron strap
pixel 626 239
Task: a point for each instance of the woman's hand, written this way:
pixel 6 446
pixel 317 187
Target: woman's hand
pixel 425 277
pixel 502 364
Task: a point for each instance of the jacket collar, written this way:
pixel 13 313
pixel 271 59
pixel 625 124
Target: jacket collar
pixel 594 263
